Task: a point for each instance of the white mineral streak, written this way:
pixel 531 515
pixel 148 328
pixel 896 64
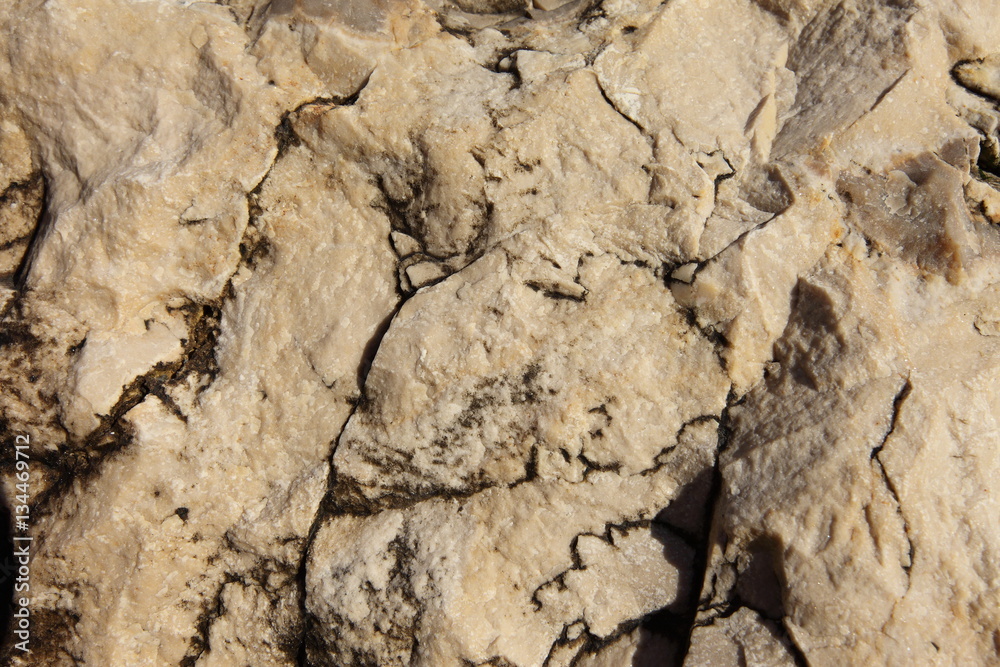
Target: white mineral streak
pixel 497 332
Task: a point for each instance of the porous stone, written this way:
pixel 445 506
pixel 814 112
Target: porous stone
pixel 496 332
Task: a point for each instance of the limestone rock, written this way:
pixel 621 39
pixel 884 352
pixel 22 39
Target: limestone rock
pixel 496 332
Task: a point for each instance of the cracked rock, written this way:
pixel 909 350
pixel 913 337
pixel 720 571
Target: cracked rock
pixel 496 332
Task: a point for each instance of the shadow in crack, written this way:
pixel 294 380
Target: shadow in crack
pixel 663 635
pixel 371 348
pixel 656 650
pixel 758 583
pixel 689 512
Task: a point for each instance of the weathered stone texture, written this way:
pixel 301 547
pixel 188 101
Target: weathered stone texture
pixel 496 332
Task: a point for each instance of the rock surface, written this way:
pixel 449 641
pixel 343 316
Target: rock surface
pixel 497 332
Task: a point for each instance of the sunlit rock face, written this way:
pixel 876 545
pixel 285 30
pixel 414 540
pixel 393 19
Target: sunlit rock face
pixel 497 332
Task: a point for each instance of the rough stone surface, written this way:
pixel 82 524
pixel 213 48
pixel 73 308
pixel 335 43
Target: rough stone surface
pixel 504 332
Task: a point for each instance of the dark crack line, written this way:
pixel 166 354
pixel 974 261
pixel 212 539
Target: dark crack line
pixel 878 100
pixel 717 181
pixel 564 640
pixel 351 498
pixel 495 661
pixel 325 509
pixel 9 198
pixel 710 260
pixel 718 340
pixel 352 502
pixel 608 535
pixel 326 101
pixel 663 457
pixel 611 103
pixel 552 292
pixel 20 240
pixel 327 506
pixel 83 459
pixel 35 242
pixel 889 89
pixel 201 642
pixel 285 137
pixel 255 578
pixel 897 404
pixel 558 292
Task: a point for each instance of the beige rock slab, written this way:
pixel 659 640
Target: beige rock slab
pixel 494 332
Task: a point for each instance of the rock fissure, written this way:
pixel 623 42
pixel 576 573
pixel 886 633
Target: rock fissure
pixel 643 132
pixel 40 230
pixel 897 404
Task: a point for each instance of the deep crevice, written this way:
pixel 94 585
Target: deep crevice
pixel 36 240
pixel 712 509
pixel 968 84
pixel 327 506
